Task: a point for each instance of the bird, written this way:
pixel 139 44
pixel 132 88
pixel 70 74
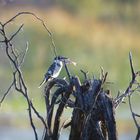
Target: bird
pixel 55 68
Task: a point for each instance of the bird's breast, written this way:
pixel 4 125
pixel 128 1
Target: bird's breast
pixel 57 70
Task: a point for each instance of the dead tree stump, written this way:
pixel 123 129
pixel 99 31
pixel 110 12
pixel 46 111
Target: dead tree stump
pixel 93 112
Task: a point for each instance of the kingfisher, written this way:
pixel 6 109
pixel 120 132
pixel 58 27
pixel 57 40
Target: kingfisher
pixel 55 68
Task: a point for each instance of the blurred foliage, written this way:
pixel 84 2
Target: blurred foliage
pixel 125 10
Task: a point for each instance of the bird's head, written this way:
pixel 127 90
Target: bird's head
pixel 61 58
pixel 64 60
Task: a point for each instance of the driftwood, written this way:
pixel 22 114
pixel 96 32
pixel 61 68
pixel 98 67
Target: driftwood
pixel 93 115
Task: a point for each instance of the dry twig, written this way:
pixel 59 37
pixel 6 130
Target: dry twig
pixel 18 80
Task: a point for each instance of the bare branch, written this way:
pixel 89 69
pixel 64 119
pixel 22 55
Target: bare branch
pixel 18 80
pixel 128 90
pixel 102 73
pixel 133 115
pixel 1 32
pixel 60 111
pixel 43 23
pixel 23 55
pixel 134 118
pixel 67 71
pixel 58 92
pixel 131 66
pixel 85 74
pixel 7 92
pixel 137 115
pixel 41 118
pixel 31 121
pixel 16 32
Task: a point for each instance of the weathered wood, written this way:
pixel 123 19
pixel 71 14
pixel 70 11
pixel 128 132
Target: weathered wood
pixel 50 102
pixel 93 110
pixel 107 110
pixel 60 111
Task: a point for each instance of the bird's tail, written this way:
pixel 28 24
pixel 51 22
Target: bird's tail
pixel 42 83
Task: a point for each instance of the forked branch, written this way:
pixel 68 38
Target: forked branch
pixel 16 59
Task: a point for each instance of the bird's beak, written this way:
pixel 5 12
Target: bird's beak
pixel 74 63
pixel 68 61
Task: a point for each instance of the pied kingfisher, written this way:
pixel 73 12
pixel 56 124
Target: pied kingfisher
pixel 55 68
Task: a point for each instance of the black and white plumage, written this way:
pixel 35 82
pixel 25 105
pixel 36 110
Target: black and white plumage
pixel 55 69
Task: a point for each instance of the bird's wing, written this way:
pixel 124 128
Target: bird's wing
pixel 49 74
pixel 57 69
pixel 51 69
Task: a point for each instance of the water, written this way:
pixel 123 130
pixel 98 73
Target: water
pixel 11 133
